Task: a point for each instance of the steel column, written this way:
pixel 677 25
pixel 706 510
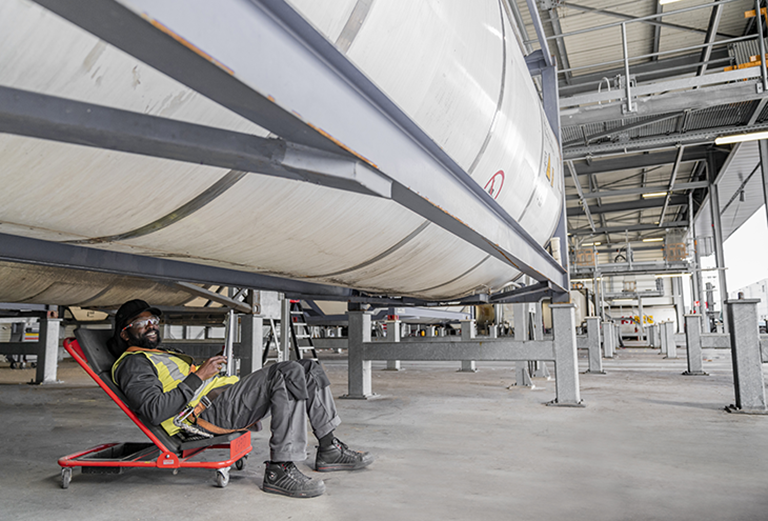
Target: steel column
pixel 609 339
pixel 358 368
pixel 748 380
pixel 717 229
pixel 693 342
pixel 593 345
pixel 668 338
pixel 520 315
pixel 251 343
pixel 393 335
pixel 467 334
pixel 47 351
pixel 566 359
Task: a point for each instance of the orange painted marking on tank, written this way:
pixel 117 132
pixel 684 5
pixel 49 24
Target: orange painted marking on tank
pixel 186 43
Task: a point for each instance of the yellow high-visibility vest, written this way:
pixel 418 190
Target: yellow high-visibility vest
pixel 172 369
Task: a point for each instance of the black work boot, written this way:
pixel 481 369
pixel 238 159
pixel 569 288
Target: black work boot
pixel 338 456
pixel 287 479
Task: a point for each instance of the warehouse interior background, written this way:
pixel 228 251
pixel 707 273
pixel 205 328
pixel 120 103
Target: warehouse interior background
pixel 526 238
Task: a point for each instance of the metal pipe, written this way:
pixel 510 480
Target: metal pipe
pixel 584 204
pixel 629 107
pixel 536 20
pixel 759 16
pixel 660 53
pixel 678 159
pixel 642 18
pixel 230 342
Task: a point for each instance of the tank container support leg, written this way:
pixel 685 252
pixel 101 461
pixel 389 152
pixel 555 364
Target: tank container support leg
pixel 251 343
pixel 748 380
pixel 609 339
pixel 48 352
pixel 393 335
pixel 467 334
pixel 566 361
pixel 693 340
pixel 522 376
pixel 593 346
pixel 669 335
pixel 359 369
pixel 539 368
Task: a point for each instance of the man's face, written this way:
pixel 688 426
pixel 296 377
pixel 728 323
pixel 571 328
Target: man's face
pixel 142 332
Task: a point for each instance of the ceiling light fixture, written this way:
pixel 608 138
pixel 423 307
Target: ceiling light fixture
pixel 654 194
pixel 654 239
pixel 592 244
pixel 740 138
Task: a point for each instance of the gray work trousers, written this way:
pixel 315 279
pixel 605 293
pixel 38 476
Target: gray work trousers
pixel 291 392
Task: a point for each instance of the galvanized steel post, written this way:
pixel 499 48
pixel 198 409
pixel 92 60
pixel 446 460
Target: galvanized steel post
pixel 566 360
pixel 593 341
pixel 669 335
pixel 251 343
pixel 693 341
pixel 522 376
pixel 359 369
pixel 48 353
pixel 467 334
pixel 609 339
pixel 749 384
pixel 393 335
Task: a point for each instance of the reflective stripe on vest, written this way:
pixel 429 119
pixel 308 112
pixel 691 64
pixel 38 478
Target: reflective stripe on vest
pixel 172 369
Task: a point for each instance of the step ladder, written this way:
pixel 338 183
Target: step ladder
pixel 273 338
pixel 301 335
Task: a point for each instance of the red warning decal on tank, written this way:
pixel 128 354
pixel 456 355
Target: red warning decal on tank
pixel 495 184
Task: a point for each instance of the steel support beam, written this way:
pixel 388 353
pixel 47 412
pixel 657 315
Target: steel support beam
pixel 47 117
pixel 643 204
pixel 34 251
pixel 672 179
pixel 639 190
pixel 357 119
pixel 706 136
pixel 663 86
pixel 717 231
pixel 589 166
pixel 628 228
pixel 197 291
pixel 645 20
pixel 584 204
pixel 663 106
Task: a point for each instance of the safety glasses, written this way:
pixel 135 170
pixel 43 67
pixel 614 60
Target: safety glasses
pixel 144 322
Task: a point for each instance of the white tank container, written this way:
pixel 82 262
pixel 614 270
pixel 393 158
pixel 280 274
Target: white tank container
pixel 454 67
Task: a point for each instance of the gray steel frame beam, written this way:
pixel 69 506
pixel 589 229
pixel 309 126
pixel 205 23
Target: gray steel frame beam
pixel 763 151
pixel 47 117
pixel 624 128
pixel 584 205
pixel 640 190
pixel 650 71
pixel 34 251
pixel 664 105
pixel 714 23
pixel 216 297
pixel 622 162
pixel 662 86
pixel 358 118
pixel 628 228
pixel 643 204
pixel 672 180
pixel 637 145
pixel 646 20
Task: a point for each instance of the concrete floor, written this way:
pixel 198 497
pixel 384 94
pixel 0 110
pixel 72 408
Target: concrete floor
pixel 650 444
